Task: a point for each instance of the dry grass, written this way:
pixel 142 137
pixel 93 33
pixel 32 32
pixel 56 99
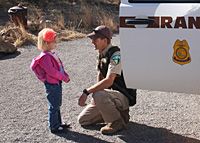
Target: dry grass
pixel 25 38
pixel 70 18
pixel 96 15
pixel 67 35
pixel 17 35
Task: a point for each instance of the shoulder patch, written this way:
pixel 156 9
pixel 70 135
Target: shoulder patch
pixel 116 59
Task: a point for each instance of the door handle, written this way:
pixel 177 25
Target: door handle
pixel 138 21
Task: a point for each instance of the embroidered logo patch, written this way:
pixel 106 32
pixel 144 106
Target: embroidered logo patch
pixel 116 59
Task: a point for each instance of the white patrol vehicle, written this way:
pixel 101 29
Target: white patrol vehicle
pixel 160 44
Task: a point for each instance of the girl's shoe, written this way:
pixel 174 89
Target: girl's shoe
pixel 65 125
pixel 58 130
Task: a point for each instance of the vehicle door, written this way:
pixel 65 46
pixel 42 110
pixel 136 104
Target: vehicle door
pixel 160 44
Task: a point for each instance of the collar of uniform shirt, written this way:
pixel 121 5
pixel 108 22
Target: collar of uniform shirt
pixel 106 49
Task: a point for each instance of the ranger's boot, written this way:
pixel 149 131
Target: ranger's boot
pixel 113 127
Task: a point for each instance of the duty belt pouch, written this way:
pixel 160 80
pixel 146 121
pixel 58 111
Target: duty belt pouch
pixel 132 96
pixel 130 93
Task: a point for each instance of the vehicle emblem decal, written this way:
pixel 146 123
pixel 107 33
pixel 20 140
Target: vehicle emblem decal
pixel 181 53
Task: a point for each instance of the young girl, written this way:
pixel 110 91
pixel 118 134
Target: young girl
pixel 49 69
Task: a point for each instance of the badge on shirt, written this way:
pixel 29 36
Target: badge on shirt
pixel 116 59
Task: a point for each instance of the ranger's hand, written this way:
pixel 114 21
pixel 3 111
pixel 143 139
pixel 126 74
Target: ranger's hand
pixel 82 99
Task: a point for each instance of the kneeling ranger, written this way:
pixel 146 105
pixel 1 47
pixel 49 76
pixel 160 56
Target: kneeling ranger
pixel 111 98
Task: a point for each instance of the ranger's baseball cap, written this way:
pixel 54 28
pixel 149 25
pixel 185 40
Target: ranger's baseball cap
pixel 100 31
pixel 49 35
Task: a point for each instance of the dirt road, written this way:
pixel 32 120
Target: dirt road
pixel 158 117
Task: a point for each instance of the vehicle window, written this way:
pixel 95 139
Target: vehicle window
pixel 163 1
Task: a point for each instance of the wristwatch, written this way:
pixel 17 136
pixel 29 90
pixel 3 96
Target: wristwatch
pixel 85 92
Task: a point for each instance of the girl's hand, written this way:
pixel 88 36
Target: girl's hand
pixel 66 80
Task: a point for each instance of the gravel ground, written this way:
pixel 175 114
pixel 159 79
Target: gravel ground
pixel 158 117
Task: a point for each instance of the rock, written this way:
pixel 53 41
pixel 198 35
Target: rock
pixel 6 47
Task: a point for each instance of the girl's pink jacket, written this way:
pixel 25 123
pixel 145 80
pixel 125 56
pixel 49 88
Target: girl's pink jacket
pixel 46 68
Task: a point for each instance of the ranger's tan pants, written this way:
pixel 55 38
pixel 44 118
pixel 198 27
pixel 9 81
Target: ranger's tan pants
pixel 105 106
